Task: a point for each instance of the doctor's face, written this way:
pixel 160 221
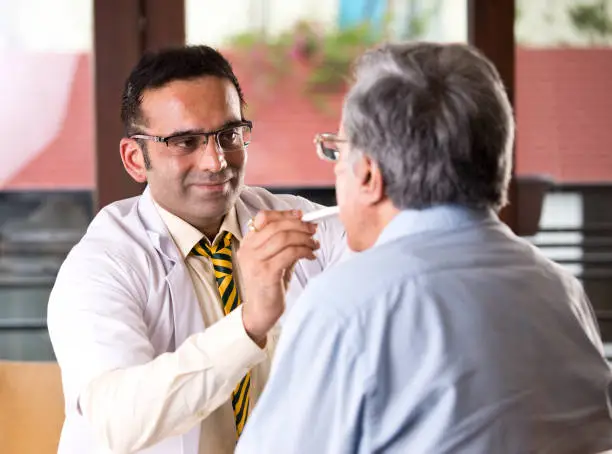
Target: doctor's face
pixel 200 186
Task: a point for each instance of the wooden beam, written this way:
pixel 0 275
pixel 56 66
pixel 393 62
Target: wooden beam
pixel 117 47
pixel 491 29
pixel 123 30
pixel 164 23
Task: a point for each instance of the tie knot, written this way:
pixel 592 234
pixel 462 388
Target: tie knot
pixel 221 247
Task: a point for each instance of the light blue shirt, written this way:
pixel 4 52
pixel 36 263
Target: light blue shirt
pixel 451 335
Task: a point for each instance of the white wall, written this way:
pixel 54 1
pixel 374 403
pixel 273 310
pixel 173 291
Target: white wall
pixel 447 19
pixel 450 25
pixel 212 22
pixel 46 25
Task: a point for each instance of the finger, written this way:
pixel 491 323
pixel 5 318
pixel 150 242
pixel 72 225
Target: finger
pixel 260 238
pixel 265 217
pixel 284 240
pixel 288 257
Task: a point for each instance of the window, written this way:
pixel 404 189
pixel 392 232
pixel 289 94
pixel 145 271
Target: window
pixel 46 160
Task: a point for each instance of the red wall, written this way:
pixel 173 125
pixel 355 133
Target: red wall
pixel 564 113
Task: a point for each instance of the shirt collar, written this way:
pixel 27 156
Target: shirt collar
pixel 443 217
pixel 186 236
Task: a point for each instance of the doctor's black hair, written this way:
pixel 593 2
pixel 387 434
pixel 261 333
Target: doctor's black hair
pixel 156 69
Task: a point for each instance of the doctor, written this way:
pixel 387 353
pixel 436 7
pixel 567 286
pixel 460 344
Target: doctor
pixel 164 316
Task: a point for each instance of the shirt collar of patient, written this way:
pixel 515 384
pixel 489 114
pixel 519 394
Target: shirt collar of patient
pixel 441 217
pixel 187 236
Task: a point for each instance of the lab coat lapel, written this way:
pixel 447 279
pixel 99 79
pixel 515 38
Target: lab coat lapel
pixel 185 308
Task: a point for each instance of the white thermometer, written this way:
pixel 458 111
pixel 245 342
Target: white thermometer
pixel 320 215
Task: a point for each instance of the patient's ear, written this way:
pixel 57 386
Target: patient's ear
pixel 372 189
pixel 133 159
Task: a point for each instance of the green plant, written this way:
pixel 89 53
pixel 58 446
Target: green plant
pixel 592 20
pixel 335 54
pixel 329 54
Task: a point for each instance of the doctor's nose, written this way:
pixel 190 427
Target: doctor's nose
pixel 211 157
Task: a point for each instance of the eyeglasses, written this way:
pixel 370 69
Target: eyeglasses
pixel 327 146
pixel 228 139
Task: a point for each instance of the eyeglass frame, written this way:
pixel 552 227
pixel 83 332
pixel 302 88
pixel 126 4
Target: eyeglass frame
pixel 322 137
pixel 215 133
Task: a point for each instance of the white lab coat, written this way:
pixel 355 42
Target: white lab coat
pixel 127 254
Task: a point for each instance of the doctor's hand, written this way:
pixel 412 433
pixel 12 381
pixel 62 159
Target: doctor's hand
pixel 266 257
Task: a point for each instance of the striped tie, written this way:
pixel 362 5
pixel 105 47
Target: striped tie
pixel 221 256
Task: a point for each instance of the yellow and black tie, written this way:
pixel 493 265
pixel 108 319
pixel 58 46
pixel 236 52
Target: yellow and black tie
pixel 220 254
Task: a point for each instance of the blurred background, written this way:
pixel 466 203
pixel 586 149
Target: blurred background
pixel 65 61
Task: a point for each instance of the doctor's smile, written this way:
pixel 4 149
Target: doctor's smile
pixel 221 185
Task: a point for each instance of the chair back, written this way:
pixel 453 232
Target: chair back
pixel 31 407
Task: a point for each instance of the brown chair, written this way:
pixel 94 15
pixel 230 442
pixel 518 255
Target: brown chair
pixel 31 407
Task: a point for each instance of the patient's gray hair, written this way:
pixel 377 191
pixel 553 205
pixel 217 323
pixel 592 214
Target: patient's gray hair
pixel 437 120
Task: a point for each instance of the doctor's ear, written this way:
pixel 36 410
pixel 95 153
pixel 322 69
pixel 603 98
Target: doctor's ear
pixel 135 159
pixel 372 188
